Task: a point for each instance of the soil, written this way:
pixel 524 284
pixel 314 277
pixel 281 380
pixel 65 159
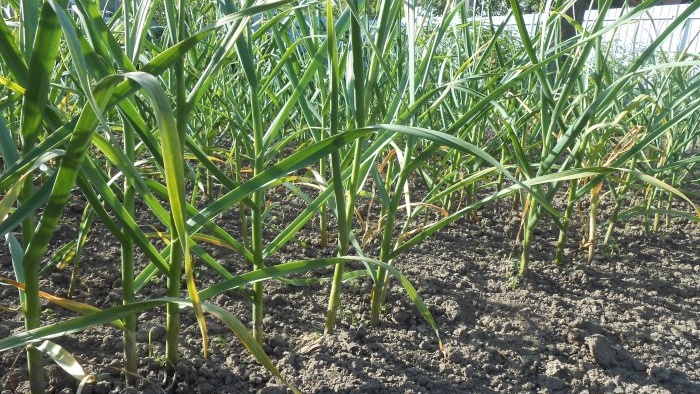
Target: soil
pixel 627 323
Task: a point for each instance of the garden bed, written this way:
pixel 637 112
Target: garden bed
pixel 628 322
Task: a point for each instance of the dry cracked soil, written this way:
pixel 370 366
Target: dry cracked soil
pixel 629 322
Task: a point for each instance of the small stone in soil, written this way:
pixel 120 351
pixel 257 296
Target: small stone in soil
pixel 607 355
pixel 554 384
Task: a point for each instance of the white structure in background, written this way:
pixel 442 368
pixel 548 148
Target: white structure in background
pixel 644 29
pixel 640 31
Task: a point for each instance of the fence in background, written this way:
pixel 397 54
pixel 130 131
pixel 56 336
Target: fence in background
pixel 637 34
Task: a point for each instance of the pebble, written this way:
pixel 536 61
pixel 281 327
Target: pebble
pixel 606 354
pixel 663 375
pixel 556 368
pixel 554 384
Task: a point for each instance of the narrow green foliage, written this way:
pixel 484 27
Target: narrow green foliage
pixel 381 124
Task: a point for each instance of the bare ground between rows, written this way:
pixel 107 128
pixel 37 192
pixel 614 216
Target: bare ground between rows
pixel 628 323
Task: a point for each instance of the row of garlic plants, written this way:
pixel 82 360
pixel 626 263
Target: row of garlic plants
pixel 194 109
